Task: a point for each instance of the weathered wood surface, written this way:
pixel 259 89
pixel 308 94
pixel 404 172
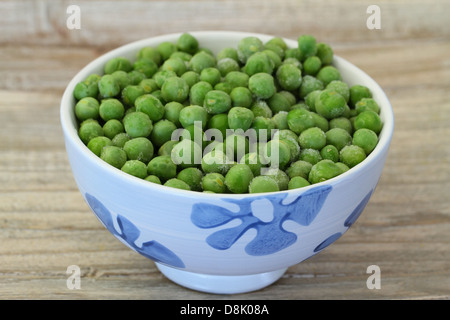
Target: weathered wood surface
pixel 46 226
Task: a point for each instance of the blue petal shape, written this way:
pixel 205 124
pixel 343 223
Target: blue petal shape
pixel 270 236
pixel 328 241
pixel 130 233
pixel 358 210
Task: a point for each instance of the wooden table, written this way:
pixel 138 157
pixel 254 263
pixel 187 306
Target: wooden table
pixel 46 226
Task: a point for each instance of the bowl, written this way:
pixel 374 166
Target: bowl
pixel 222 243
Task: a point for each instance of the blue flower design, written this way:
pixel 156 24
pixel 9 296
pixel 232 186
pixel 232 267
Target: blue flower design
pixel 271 237
pixel 348 223
pixel 130 233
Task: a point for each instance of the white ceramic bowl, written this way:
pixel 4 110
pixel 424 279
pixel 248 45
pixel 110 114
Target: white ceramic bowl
pixel 222 243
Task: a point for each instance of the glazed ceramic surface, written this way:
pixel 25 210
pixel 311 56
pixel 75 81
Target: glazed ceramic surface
pixel 222 235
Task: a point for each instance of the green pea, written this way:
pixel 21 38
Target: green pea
pixel 237 79
pixel 328 74
pixel 111 109
pixel 309 84
pixel 162 167
pixel 329 104
pixel 193 177
pixel 118 63
pixel 325 53
pixel 280 120
pixel 228 52
pixel 137 124
pixel 278 153
pixel 241 97
pixel 215 161
pixel 150 53
pixel 330 152
pixel 162 132
pixel 247 46
pixel 188 43
pixel 96 144
pixel 299 168
pixel 190 77
pixel 139 148
pixel 120 139
pixel 113 127
pixel 226 65
pixel 257 63
pixel 260 108
pixel 89 129
pixel 366 139
pixel 216 102
pixel 146 66
pixel 289 77
pixel 262 85
pixel 198 92
pixel 236 146
pixel 352 155
pixel 340 87
pixel 223 86
pixel 135 168
pixel 114 156
pixel 84 89
pixel 310 155
pixel 219 122
pixel 214 182
pixel 186 153
pixel 367 104
pixel 108 87
pixel 312 65
pixel 211 75
pixel 201 60
pixel 342 122
pixel 191 114
pixel 238 178
pixel 130 93
pixel 262 126
pixel 306 46
pixel 240 118
pixel 369 120
pixel 358 92
pixel 338 137
pixel 172 112
pixel 279 102
pixel 261 184
pixel 299 120
pixel 313 138
pixel 323 170
pixel 298 182
pixel 175 89
pixel 166 49
pixel 87 108
pixel 153 178
pixel 280 177
pixel 177 183
pixel 161 76
pixel 174 64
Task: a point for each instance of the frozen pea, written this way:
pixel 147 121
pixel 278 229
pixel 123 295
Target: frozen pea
pixel 240 118
pixel 150 53
pixel 177 183
pixel 292 53
pixel 342 122
pixel 121 78
pixel 310 99
pixel 198 92
pixel 118 63
pixel 298 182
pixel 280 120
pixel 135 77
pixel 261 184
pixel 247 46
pixel 294 147
pixel 340 87
pixel 162 132
pixel 130 93
pixel 137 124
pixel 135 168
pixel 111 109
pixel 193 177
pixel 215 161
pixel 280 177
pixel 151 106
pixel 120 139
pixel 188 43
pixel 186 153
pixel 108 87
pixel 219 122
pixel 237 79
pixel 139 148
pixel 223 86
pixel 262 85
pixel 262 127
pixel 162 167
pixel 191 114
pixel 368 119
pixel 257 63
pixel 299 168
pixel 299 120
pixel 330 152
pixel 153 178
pixel 172 112
pixel 352 155
pixel 228 52
pixel 162 75
pixel 238 178
pixel 181 55
pixel 216 102
pixel 190 77
pixel 113 127
pixel 279 102
pixel 211 75
pixel 166 49
pixel 241 97
pixel 98 143
pixel 253 160
pixel 236 146
pixel 260 108
pixel 338 137
pixel 87 108
pixel 320 121
pixel 174 64
pixel 358 92
pixel 366 139
pixel 342 166
pixel 367 104
pixel 113 155
pixel 328 74
pixel 325 53
pixel 309 84
pixel 85 89
pixel 166 148
pixel 306 46
pixel 226 65
pixel 175 89
pixel 313 138
pixel 146 66
pixel 201 60
pixel 89 129
pixel 310 155
pixel 329 104
pixel 214 182
pixel 323 170
pixel 312 65
pixel 277 153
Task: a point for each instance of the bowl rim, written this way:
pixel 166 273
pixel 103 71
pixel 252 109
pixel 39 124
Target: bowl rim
pixel 71 133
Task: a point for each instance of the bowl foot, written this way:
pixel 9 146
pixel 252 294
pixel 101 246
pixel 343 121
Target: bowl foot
pixel 220 284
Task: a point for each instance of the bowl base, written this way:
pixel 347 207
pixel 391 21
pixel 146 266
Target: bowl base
pixel 220 284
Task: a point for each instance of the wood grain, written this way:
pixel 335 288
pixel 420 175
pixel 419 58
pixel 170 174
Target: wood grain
pixel 46 226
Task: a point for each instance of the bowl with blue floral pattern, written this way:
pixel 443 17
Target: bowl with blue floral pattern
pixel 223 243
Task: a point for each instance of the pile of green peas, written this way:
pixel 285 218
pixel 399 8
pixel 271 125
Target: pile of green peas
pixel 320 126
